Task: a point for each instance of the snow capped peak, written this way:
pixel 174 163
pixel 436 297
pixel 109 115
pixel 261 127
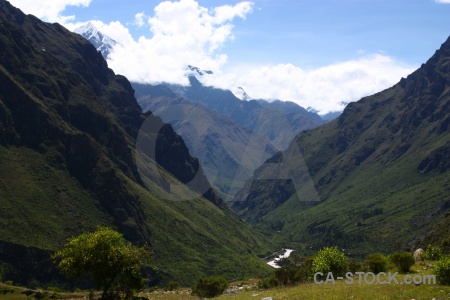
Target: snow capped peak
pixel 103 43
pixel 194 71
pixel 240 93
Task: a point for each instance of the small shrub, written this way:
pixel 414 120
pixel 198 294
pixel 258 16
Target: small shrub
pixel 210 286
pixel 9 282
pixel 172 285
pixel 442 271
pixel 354 266
pixel 402 260
pixel 305 271
pixel 54 289
pixel 330 259
pixel 286 275
pixel 268 283
pixel 377 263
pixel 433 252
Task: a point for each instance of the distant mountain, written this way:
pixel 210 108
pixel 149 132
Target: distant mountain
pixel 101 42
pixel 228 153
pixel 278 121
pixel 76 152
pixel 328 116
pixel 381 170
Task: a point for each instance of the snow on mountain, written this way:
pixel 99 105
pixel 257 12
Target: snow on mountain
pixel 103 43
pixel 240 93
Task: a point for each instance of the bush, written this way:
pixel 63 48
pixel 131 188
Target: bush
pixel 354 266
pixel 330 259
pixel 433 252
pixel 9 282
pixel 377 263
pixel 286 275
pixel 402 260
pixel 268 283
pixel 442 271
pixel 172 285
pixel 210 286
pixel 305 271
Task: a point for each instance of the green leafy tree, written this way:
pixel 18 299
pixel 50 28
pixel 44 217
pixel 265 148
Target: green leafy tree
pixel 330 259
pixel 113 263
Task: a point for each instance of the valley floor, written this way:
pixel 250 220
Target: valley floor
pixel 302 291
pixel 340 290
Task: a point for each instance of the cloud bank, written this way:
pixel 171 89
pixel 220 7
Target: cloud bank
pixel 184 33
pixel 326 89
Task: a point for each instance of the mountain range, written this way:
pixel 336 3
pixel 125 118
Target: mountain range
pixel 227 152
pixel 231 136
pixel 75 154
pixel 81 146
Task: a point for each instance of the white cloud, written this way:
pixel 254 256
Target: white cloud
pixel 183 33
pixel 324 89
pixel 443 1
pixel 49 10
pixel 140 19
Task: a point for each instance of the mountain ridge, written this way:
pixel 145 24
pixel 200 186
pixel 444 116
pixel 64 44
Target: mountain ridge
pixel 385 154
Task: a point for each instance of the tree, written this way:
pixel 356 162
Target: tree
pixel 330 259
pixel 113 263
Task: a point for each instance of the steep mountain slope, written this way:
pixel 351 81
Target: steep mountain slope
pixel 73 156
pixel 227 152
pixel 381 170
pixel 278 121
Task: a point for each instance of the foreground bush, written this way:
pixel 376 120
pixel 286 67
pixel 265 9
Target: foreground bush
pixel 377 263
pixel 330 259
pixel 210 286
pixel 403 261
pixel 442 271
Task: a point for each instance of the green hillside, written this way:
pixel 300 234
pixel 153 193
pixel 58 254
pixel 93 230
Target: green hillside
pixel 68 130
pixel 381 171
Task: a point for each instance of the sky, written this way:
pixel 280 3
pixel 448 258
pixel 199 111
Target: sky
pixel 317 53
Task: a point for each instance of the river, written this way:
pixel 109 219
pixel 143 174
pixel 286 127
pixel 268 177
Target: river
pixel 286 254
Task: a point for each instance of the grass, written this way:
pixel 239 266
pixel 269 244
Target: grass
pixel 340 290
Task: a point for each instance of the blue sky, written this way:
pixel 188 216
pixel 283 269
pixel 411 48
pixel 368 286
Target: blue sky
pixel 317 53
